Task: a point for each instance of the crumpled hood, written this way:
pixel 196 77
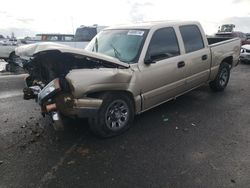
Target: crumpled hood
pixel 30 50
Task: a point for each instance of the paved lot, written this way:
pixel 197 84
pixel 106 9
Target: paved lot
pixel 199 140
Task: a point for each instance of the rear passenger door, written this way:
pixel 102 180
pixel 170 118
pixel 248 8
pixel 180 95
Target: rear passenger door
pixel 164 78
pixel 197 56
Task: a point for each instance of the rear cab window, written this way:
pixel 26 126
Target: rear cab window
pixel 192 38
pixel 85 33
pixel 163 44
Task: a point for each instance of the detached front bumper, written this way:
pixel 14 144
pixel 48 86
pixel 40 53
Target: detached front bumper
pixel 87 107
pixel 68 106
pixel 55 101
pixel 64 105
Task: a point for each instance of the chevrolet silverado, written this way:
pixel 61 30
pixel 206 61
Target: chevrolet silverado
pixel 125 71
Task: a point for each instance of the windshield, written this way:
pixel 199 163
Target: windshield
pixel 124 45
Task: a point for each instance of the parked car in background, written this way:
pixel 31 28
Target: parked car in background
pixel 82 36
pixel 248 36
pixel 234 34
pixel 124 71
pixel 55 37
pixel 245 53
pixel 7 48
pixel 51 37
pixel 3 65
pixel 7 52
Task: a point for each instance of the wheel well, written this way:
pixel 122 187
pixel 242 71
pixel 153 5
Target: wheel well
pixel 98 94
pixel 228 60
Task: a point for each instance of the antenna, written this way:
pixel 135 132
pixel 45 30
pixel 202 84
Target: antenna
pixel 72 24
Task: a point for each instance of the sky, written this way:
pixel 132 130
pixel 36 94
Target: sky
pixel 29 17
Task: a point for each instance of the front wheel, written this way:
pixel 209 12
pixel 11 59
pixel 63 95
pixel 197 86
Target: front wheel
pixel 114 117
pixel 222 78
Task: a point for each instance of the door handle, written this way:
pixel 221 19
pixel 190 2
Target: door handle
pixel 181 64
pixel 204 57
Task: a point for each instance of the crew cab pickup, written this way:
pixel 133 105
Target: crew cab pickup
pixel 125 71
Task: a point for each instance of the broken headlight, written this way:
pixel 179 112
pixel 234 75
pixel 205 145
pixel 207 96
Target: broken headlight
pixel 49 90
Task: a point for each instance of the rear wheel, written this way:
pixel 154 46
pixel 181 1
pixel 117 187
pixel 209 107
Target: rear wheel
pixel 222 78
pixel 114 117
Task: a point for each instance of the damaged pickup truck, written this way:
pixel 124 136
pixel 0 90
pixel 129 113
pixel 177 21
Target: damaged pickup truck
pixel 125 71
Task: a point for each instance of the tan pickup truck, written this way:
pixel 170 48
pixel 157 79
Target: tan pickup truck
pixel 125 71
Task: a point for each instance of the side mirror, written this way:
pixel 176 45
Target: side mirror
pixel 156 57
pixel 148 61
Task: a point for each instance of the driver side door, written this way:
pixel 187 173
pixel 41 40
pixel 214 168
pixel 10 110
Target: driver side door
pixel 162 74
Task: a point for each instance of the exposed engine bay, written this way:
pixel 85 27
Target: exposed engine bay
pixel 46 66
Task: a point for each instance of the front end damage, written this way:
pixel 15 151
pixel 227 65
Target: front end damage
pixel 53 83
pixel 57 102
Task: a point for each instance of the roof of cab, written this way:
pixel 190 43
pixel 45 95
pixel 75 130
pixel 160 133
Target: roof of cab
pixel 150 25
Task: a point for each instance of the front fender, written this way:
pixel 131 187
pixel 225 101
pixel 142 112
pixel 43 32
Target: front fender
pixel 85 81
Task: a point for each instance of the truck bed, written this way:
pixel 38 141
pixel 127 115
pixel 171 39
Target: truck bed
pixel 213 40
pixel 225 49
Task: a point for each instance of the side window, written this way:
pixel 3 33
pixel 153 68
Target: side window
pixel 163 44
pixel 192 38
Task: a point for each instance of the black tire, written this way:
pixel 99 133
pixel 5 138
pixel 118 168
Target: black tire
pixel 13 68
pixel 114 117
pixel 222 78
pixel 245 61
pixel 12 58
pixel 7 67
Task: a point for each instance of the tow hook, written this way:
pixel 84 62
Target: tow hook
pixel 57 121
pixel 55 116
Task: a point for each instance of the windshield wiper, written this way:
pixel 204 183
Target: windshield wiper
pixel 117 54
